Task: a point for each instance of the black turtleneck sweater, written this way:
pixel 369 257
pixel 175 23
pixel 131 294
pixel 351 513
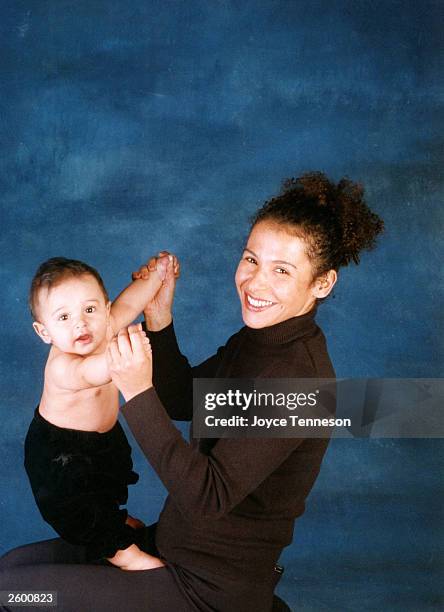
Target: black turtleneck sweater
pixel 232 502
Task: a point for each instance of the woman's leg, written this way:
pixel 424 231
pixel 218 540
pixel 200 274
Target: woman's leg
pixel 57 550
pixel 46 551
pixel 96 588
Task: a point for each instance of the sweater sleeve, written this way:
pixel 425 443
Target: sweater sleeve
pixel 173 375
pixel 202 485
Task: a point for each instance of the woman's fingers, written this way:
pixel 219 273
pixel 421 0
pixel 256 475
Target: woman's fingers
pixel 139 343
pixel 176 267
pixel 146 345
pixel 130 363
pixel 113 352
pixel 124 343
pixel 175 261
pixel 129 342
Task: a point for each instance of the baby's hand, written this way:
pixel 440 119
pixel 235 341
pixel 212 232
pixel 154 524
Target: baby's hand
pixel 144 271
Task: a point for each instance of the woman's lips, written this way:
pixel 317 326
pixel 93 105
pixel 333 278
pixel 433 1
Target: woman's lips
pixel 84 339
pixel 256 304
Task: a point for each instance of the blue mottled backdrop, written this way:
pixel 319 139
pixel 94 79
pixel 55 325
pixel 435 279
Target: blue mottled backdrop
pixel 132 126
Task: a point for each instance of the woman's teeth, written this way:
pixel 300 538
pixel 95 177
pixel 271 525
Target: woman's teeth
pixel 258 303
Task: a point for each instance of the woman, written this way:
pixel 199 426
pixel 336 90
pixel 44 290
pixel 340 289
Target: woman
pixel 232 502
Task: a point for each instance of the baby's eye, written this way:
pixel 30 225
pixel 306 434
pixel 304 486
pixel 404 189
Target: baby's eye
pixel 63 317
pixel 281 270
pixel 90 309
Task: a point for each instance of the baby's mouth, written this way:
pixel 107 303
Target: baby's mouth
pixel 84 339
pixel 256 304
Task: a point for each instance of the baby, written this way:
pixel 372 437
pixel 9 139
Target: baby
pixel 76 454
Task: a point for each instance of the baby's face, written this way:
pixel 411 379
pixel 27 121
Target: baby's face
pixel 74 316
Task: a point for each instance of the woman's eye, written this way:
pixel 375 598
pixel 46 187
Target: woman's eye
pixel 250 259
pixel 90 309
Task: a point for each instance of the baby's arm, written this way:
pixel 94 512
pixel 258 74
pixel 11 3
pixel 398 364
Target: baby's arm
pixel 131 302
pixel 74 372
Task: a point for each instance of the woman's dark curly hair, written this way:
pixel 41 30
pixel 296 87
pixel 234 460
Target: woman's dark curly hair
pixel 333 220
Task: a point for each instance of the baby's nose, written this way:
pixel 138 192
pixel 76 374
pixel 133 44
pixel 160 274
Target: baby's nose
pixel 80 323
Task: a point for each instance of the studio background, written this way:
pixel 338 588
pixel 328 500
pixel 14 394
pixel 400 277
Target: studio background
pixel 128 127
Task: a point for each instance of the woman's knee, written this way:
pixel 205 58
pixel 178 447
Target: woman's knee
pixel 14 557
pixel 46 551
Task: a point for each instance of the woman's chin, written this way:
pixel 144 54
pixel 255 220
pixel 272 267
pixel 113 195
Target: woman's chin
pixel 256 320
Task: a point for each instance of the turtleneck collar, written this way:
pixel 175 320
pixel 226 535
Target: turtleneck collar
pixel 283 332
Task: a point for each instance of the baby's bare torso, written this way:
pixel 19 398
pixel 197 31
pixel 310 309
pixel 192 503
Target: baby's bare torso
pixel 90 409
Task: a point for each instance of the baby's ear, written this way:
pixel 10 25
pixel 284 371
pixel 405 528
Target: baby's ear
pixel 42 332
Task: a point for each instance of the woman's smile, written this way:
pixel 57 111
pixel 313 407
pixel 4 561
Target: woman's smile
pixel 257 304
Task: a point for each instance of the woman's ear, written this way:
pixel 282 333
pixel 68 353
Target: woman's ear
pixel 42 332
pixel 323 285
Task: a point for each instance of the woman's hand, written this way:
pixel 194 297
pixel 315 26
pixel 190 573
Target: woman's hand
pixel 158 311
pixel 130 361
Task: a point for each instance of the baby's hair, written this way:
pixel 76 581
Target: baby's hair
pixel 333 220
pixel 53 271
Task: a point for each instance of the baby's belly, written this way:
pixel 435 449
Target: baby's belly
pixel 88 409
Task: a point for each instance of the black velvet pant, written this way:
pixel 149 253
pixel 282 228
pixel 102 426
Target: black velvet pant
pixel 55 565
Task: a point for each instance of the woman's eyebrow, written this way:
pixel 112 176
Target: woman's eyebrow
pixel 281 261
pixel 287 263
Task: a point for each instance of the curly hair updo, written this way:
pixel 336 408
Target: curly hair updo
pixel 333 220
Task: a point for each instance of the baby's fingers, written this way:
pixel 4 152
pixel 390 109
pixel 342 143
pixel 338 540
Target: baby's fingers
pixel 143 272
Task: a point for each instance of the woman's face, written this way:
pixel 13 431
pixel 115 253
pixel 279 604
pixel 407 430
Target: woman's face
pixel 274 278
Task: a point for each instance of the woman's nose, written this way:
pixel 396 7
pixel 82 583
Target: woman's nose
pixel 258 280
